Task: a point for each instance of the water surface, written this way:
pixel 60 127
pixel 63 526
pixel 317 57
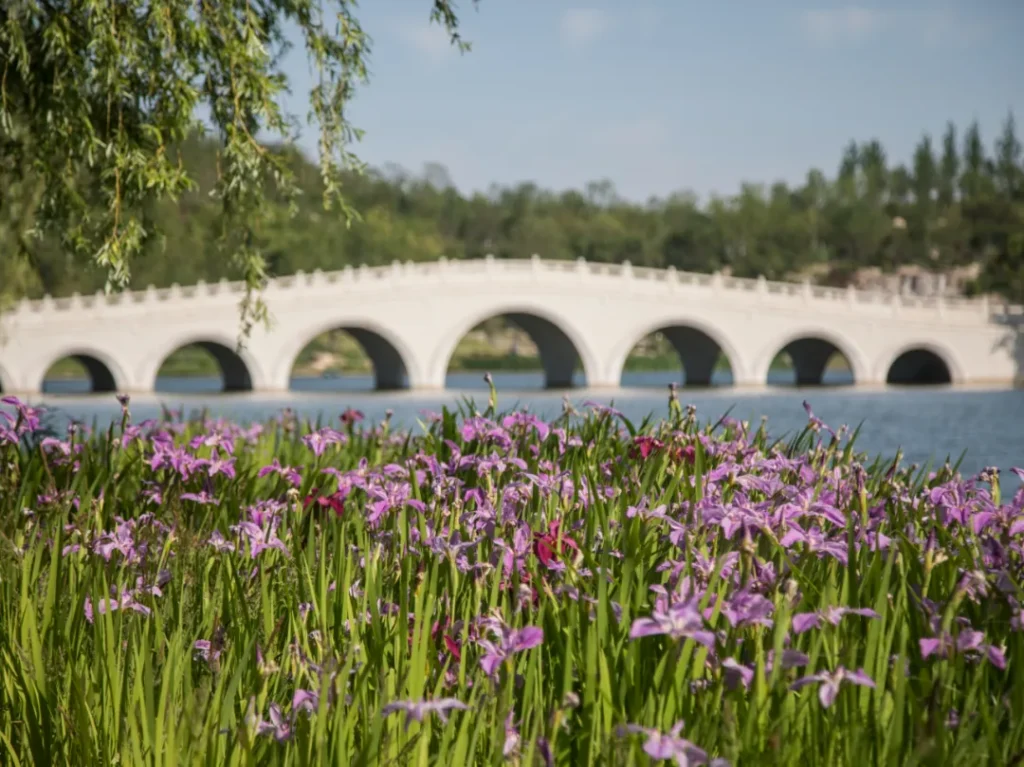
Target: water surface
pixel 927 423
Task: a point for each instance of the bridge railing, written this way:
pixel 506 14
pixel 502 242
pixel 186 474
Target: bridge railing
pixel 444 268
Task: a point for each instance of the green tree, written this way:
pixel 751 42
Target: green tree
pixel 922 220
pixel 870 215
pixel 949 167
pixel 97 94
pixel 973 179
pixel 1007 164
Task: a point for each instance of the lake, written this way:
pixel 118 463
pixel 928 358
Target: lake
pixel 928 423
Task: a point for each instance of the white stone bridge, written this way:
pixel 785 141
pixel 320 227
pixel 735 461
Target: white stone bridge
pixel 410 317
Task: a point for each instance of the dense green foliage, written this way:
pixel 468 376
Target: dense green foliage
pixel 94 95
pixel 569 593
pixel 963 206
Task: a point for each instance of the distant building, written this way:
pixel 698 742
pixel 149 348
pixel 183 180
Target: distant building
pixel 916 280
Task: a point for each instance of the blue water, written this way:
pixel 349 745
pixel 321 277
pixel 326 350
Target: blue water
pixel 927 423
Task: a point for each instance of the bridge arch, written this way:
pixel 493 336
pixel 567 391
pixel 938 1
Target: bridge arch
pixel 239 370
pixel 921 364
pixel 810 352
pixel 559 343
pixel 390 357
pixel 697 344
pixel 105 375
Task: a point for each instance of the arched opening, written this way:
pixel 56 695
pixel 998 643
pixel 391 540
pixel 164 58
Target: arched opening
pixel 78 374
pixel 810 362
pixel 349 359
pixel 201 367
pixel 656 359
pixel 918 367
pixel 521 351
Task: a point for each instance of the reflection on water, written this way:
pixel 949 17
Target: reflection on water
pixel 928 423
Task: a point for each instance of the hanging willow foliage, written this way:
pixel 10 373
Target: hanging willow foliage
pixel 94 95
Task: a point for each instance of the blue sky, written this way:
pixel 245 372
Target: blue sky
pixel 669 95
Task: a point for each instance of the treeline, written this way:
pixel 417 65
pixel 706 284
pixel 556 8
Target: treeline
pixel 956 203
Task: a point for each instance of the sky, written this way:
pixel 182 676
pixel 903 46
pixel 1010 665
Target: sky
pixel 662 96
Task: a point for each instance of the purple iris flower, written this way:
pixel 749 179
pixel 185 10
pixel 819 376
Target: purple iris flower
pixel 318 440
pixel 480 428
pixel 206 650
pixel 203 498
pixel 225 466
pixel 601 409
pixel 746 608
pixel 670 745
pixel 279 726
pixel 508 642
pixel 261 539
pixel 679 621
pixel 526 421
pixel 110 604
pixel 177 459
pixel 645 513
pixel 512 737
pixel 51 443
pixel 121 540
pixel 806 621
pixel 497 464
pixel 417 710
pixel 220 543
pixel 290 475
pixel 393 495
pixel 969 642
pixel 306 700
pixel 737 673
pixel 831 681
pixel 816 423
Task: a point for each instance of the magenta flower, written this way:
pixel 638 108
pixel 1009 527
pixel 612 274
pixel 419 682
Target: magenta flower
pixel 831 681
pixel 416 711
